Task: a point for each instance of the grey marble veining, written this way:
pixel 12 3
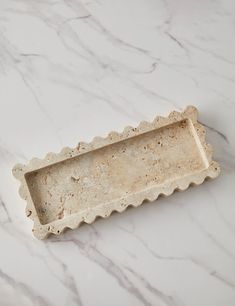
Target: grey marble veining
pixel 71 70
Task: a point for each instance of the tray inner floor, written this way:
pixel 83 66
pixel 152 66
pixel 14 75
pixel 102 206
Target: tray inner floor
pixel 115 171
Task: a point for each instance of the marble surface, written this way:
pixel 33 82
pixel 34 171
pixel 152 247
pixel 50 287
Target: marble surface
pixel 74 69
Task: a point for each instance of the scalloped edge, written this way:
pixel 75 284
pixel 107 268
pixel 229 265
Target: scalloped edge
pixel 74 221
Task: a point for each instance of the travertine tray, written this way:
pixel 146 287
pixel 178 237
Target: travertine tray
pixel 77 185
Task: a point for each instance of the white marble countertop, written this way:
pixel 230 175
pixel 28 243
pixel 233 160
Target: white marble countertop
pixel 71 70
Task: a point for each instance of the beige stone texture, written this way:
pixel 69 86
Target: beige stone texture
pixel 109 174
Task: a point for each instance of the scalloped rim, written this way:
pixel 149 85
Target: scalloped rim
pixel 104 211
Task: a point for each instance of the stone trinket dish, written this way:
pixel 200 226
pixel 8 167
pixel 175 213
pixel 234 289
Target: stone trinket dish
pixel 109 174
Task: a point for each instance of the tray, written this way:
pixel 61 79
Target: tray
pixel 109 174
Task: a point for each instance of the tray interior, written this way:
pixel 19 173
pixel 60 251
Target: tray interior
pixel 116 171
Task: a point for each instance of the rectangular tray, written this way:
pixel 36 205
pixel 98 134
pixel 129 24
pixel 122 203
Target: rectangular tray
pixel 77 185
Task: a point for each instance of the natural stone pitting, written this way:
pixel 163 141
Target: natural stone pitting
pixel 109 174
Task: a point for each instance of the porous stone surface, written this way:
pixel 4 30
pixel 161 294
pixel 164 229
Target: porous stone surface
pixel 109 174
